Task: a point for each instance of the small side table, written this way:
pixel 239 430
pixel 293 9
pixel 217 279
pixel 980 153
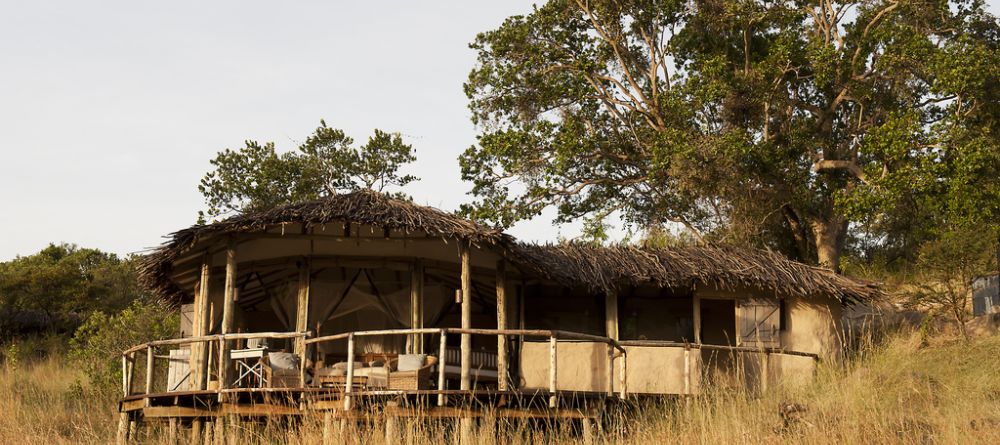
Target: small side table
pixel 249 368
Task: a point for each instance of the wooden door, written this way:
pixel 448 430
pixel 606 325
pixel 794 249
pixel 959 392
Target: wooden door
pixel 759 322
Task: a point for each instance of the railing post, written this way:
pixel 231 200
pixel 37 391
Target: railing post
pixel 302 359
pixel 765 370
pixel 687 369
pixel 223 378
pixel 611 369
pixel 624 375
pixel 553 400
pixel 149 372
pixel 349 384
pixel 442 353
pixel 125 375
pixel 131 371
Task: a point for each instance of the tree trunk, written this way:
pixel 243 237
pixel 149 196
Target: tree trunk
pixel 829 236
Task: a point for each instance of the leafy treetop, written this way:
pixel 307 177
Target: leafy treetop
pixel 257 177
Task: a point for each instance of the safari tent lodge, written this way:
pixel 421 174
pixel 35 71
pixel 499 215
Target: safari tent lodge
pixel 354 301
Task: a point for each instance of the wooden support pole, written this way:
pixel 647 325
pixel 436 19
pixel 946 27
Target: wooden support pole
pixel 696 303
pixel 228 313
pixel 302 306
pixel 199 350
pixel 502 373
pixel 172 430
pixel 302 316
pixel 416 306
pixel 125 385
pixel 149 371
pixel 442 361
pixel 121 438
pixel 611 370
pixel 466 347
pixel 765 366
pixel 349 383
pixel 553 372
pixel 687 370
pixel 611 315
pixel 624 376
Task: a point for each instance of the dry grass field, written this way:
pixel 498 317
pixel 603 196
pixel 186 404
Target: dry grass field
pixel 899 391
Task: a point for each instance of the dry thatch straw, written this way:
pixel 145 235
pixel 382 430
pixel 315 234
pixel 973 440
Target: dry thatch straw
pixel 361 207
pixel 602 268
pixel 596 268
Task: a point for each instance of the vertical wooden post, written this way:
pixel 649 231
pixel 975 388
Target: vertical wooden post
pixel 696 303
pixel 199 351
pixel 349 384
pixel 123 425
pixel 302 306
pixel 611 315
pixel 765 368
pixel 149 372
pixel 502 373
pixel 172 429
pixel 611 369
pixel 687 370
pixel 442 360
pixel 221 365
pixel 416 306
pixel 465 423
pixel 466 316
pixel 553 372
pixel 624 375
pixel 228 312
pixel 125 385
pixel 302 316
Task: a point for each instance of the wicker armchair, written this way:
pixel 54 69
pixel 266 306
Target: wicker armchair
pixel 416 379
pixel 281 370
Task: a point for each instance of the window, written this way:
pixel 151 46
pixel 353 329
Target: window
pixel 759 322
pixel 654 314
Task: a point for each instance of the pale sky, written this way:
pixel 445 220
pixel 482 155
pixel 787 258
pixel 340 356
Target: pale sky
pixel 111 110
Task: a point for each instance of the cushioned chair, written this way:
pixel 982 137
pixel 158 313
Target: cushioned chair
pixel 281 370
pixel 410 372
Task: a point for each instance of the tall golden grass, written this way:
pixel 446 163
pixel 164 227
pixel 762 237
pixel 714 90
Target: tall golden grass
pixel 899 390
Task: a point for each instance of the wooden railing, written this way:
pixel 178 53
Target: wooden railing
pixel 615 350
pixel 553 335
pixel 150 348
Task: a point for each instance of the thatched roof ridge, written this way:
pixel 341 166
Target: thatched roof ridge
pixel 571 264
pixel 601 268
pixel 361 207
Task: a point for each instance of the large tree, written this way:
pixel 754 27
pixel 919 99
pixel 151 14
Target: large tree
pixel 258 177
pixel 769 122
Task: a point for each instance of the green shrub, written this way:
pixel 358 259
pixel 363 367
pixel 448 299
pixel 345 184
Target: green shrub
pixel 97 345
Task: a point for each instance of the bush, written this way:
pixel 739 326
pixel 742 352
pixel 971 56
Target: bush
pixel 98 344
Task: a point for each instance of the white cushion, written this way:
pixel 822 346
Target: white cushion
pixel 284 361
pixel 343 365
pixel 410 362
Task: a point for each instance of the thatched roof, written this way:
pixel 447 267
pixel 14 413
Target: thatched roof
pixel 361 207
pixel 602 268
pixel 571 264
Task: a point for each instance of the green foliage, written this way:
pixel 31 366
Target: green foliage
pixel 257 177
pixel 98 344
pixel 64 278
pixel 775 123
pixel 946 267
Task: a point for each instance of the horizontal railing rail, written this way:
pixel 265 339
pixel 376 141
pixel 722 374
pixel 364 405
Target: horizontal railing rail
pixel 709 347
pixel 616 350
pixel 553 335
